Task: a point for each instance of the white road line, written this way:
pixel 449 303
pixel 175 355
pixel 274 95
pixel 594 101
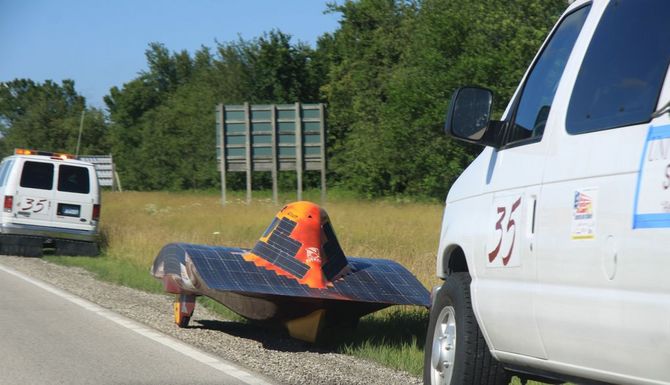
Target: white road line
pixel 172 343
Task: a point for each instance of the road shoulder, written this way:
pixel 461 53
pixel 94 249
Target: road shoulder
pixel 267 352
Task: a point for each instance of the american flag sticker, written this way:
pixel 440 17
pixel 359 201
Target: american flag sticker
pixel 584 214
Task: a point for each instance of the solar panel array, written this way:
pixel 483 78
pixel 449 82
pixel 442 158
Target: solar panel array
pixel 272 226
pixel 224 269
pixel 336 259
pixel 280 249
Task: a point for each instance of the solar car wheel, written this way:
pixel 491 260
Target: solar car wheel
pixel 181 316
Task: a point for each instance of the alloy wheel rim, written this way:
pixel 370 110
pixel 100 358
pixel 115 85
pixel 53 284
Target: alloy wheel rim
pixel 444 347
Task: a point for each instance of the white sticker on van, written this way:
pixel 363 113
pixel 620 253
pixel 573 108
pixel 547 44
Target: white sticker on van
pixel 652 194
pixel 584 214
pixel 503 231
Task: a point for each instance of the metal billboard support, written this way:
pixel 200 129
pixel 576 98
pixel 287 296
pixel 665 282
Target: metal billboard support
pixel 322 131
pixel 298 148
pixel 220 119
pixel 247 149
pixel 275 154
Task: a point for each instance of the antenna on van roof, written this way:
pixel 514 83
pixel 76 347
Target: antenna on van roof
pixel 81 127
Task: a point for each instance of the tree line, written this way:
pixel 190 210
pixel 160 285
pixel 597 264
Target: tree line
pixel 386 75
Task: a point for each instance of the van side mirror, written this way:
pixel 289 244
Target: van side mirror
pixel 469 116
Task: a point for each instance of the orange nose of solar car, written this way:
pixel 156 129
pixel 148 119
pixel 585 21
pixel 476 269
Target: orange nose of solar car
pixel 300 244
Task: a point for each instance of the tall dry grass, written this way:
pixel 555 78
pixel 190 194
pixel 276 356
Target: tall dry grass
pixel 137 224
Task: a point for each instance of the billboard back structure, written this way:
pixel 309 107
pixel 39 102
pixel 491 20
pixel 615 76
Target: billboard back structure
pixel 105 170
pixel 271 137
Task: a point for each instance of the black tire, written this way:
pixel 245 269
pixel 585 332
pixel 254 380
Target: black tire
pixel 472 362
pixel 22 246
pixel 183 321
pixel 180 308
pixel 74 248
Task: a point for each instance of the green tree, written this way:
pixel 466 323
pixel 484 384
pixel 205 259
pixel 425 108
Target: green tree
pixel 363 52
pixel 47 117
pixel 278 70
pixel 391 98
pixel 132 113
pixel 162 132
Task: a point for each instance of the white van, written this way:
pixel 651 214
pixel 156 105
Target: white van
pixel 555 242
pixel 50 200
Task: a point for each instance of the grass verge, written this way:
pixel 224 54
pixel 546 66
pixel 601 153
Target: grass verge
pixel 393 337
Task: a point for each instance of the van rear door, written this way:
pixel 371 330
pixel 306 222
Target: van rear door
pixel 74 196
pixel 34 193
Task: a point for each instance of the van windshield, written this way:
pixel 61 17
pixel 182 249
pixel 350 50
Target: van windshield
pixel 540 88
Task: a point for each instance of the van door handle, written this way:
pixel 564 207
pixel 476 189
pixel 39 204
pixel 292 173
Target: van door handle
pixel 530 212
pixel 533 212
pixel 530 229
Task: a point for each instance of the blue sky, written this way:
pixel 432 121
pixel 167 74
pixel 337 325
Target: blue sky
pixel 101 44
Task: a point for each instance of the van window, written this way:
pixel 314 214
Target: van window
pixel 5 167
pixel 73 179
pixel 37 175
pixel 625 64
pixel 538 92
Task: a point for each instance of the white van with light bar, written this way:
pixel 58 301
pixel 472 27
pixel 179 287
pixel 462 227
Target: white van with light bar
pixel 50 200
pixel 555 241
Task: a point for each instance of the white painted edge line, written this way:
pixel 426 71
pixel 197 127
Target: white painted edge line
pixel 223 366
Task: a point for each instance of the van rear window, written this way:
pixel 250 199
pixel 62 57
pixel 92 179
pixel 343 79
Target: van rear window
pixel 73 179
pixel 37 175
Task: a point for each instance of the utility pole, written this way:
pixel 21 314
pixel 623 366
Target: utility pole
pixel 81 127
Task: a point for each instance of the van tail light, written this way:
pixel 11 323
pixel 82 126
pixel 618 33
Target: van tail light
pixel 9 203
pixel 96 213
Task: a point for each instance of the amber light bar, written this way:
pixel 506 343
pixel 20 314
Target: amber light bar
pixel 54 155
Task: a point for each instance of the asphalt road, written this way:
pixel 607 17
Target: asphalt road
pixel 46 338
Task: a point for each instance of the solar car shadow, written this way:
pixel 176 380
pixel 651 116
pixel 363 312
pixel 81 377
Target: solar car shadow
pixel 393 328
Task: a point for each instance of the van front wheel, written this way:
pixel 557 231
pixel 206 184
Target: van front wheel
pixel 455 351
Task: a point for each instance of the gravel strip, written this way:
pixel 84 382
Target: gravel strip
pixel 270 353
